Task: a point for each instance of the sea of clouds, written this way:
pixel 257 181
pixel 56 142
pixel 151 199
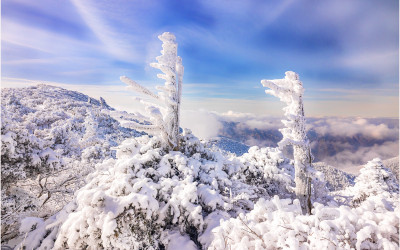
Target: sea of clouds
pixel 343 142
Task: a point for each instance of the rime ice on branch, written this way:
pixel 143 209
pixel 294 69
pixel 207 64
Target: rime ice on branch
pixel 290 91
pixel 165 120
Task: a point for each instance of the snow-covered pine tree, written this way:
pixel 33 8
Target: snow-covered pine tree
pixel 290 91
pixel 165 123
pixel 374 180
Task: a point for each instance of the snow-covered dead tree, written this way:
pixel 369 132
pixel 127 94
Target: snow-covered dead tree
pixel 165 120
pixel 290 91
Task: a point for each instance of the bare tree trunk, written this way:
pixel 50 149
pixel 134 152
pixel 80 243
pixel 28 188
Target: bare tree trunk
pixel 174 133
pixel 302 161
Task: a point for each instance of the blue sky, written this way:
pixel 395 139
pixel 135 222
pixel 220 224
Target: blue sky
pixel 346 52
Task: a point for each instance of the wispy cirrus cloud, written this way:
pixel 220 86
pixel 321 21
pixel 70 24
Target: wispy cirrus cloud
pixel 40 39
pixel 118 44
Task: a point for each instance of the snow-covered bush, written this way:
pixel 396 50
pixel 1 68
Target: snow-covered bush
pixel 15 204
pixel 374 180
pixel 38 231
pixel 165 120
pixel 279 224
pixel 290 90
pixel 267 170
pixel 138 200
pixel 150 197
pixel 23 157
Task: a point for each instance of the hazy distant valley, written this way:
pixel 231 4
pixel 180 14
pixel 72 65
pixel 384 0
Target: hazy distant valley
pixel 343 149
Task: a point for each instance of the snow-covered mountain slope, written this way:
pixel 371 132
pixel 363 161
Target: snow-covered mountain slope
pixel 230 145
pixel 67 122
pixel 336 179
pixel 51 138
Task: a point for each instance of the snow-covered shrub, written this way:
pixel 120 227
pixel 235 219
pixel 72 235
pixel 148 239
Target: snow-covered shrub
pixel 23 155
pixel 267 170
pixel 165 120
pixel 37 231
pixel 149 193
pixel 279 224
pixel 290 90
pixel 15 204
pixel 374 180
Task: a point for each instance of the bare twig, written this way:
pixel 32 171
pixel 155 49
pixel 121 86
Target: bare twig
pixel 251 231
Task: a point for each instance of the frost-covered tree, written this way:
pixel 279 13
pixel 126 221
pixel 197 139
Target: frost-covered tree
pixel 165 120
pixel 374 180
pixel 393 165
pixel 290 91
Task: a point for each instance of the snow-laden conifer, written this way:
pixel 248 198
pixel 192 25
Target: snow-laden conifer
pixel 374 180
pixel 290 91
pixel 165 120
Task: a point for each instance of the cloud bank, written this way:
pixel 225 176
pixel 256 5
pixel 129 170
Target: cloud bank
pixel 340 142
